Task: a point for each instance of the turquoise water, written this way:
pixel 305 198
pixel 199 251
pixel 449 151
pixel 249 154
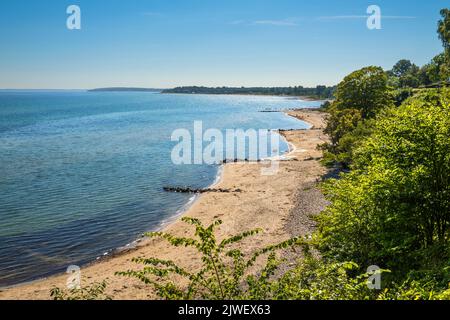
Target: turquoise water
pixel 81 173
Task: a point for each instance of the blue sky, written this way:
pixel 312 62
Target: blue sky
pixel 167 43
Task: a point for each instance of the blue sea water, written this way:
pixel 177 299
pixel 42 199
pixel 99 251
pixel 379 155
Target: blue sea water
pixel 81 173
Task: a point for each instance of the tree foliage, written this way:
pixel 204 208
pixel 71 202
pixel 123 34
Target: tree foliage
pixel 393 208
pixel 402 68
pixel 226 273
pixel 359 97
pixel 365 90
pixel 444 35
pixel 223 273
pixel 95 291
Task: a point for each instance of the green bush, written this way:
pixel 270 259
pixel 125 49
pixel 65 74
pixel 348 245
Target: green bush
pixel 359 97
pixel 353 132
pixel 94 292
pixel 400 95
pixel 312 279
pixel 415 290
pixel 226 273
pixel 393 208
pixel 365 90
pixel 224 269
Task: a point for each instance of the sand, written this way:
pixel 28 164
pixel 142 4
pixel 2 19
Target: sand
pixel 279 204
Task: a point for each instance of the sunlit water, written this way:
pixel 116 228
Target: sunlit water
pixel 81 173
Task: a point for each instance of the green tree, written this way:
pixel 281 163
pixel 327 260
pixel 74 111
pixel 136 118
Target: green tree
pixel 444 35
pixel 433 71
pixel 359 97
pixel 402 67
pixel 393 208
pixel 404 74
pixel 365 90
pixel 444 28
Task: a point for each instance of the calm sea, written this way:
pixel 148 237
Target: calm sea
pixel 81 173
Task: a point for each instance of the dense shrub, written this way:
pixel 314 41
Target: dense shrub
pixel 400 95
pixel 95 291
pixel 223 271
pixel 393 208
pixel 365 90
pixel 227 274
pixel 359 97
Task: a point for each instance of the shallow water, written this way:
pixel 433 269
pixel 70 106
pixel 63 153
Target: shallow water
pixel 82 173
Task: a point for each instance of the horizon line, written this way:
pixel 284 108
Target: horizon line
pixel 152 88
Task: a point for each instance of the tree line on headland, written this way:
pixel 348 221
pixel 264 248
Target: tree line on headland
pixel 319 92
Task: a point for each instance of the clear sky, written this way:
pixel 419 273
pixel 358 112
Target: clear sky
pixel 167 43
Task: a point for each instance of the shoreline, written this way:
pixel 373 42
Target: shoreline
pixel 186 207
pixel 134 245
pixel 207 207
pixel 301 98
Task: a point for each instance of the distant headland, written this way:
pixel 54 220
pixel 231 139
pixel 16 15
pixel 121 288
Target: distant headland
pixel 125 89
pixel 318 92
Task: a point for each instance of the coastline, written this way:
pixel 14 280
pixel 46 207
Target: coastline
pixel 196 197
pixel 266 202
pixel 301 98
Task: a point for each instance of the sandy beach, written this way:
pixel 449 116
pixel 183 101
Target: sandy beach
pixel 280 204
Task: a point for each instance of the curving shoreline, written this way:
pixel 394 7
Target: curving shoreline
pixel 266 202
